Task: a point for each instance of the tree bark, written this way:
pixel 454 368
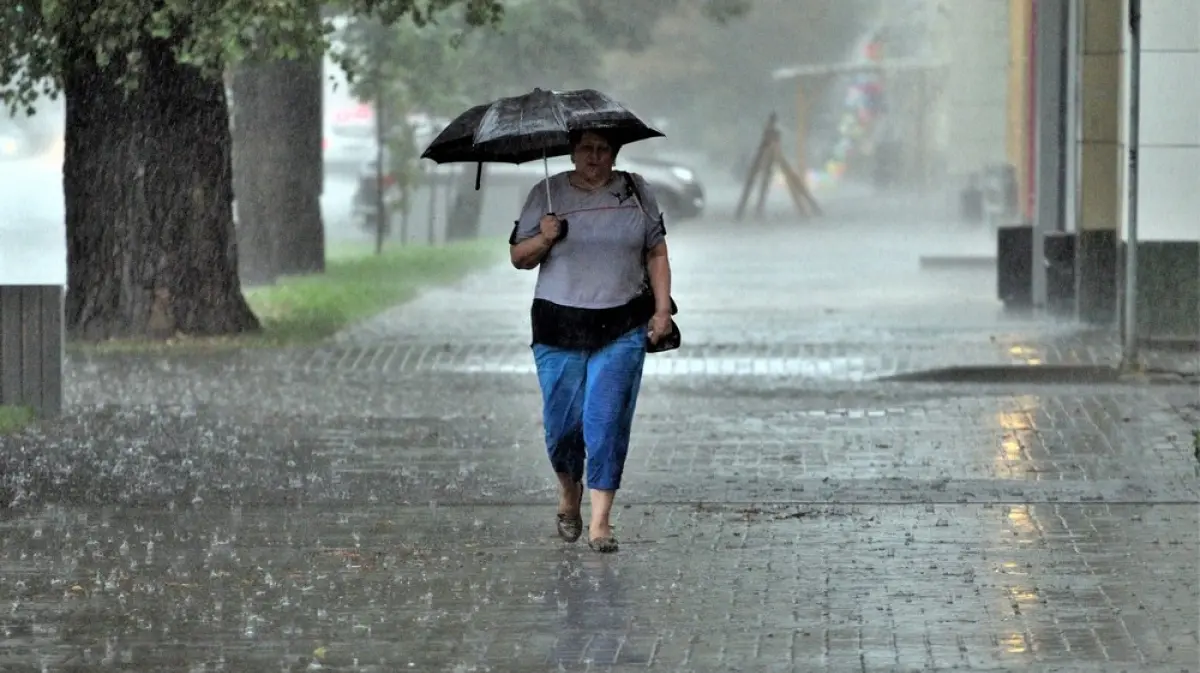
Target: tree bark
pixel 299 172
pixel 279 168
pixel 151 249
pixel 258 243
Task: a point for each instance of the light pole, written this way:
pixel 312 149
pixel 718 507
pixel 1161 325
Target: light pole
pixel 1129 351
pixel 378 44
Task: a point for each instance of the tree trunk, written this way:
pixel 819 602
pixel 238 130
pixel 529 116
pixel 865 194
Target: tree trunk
pixel 279 167
pixel 151 250
pixel 299 172
pixel 258 243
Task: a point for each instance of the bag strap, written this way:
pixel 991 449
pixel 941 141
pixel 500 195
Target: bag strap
pixel 632 185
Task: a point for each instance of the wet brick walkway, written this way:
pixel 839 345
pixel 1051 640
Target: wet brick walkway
pixel 817 302
pixel 383 503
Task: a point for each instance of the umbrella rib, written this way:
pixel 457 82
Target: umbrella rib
pixel 591 106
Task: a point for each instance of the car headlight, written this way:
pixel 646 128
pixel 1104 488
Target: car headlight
pixel 683 174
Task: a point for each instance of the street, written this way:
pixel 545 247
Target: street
pixel 383 502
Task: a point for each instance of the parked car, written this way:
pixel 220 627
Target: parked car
pixel 676 186
pixel 679 192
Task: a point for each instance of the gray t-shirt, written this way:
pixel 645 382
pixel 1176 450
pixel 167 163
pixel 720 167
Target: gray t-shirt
pixel 601 262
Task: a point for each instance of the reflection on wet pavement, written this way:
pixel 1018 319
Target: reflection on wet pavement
pixel 378 505
pixel 696 588
pixel 701 441
pixel 883 528
pixel 1014 461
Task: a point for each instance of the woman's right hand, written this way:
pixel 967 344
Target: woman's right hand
pixel 551 228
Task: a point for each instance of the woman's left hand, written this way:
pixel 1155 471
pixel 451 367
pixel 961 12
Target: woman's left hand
pixel 660 324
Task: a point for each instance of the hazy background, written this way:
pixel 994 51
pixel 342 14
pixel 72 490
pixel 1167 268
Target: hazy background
pixel 707 84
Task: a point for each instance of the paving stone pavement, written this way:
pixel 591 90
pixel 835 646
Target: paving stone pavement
pixel 822 301
pixel 383 503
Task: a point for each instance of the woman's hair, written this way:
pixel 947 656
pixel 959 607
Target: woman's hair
pixel 577 137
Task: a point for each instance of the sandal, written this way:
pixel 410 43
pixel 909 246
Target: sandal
pixel 570 526
pixel 603 545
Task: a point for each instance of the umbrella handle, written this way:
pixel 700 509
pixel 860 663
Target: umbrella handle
pixel 546 169
pixel 563 228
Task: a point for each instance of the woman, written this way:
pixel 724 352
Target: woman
pixel 592 320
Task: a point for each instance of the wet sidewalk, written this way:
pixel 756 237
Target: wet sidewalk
pixel 841 300
pixel 383 503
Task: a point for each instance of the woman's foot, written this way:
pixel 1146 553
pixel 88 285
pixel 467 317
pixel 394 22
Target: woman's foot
pixel 604 545
pixel 600 532
pixel 600 538
pixel 570 516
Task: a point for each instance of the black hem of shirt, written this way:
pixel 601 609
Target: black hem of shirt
pixel 586 329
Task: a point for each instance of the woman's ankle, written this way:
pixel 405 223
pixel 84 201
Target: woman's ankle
pixel 599 530
pixel 570 496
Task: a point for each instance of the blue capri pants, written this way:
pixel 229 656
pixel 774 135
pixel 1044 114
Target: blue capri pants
pixel 588 400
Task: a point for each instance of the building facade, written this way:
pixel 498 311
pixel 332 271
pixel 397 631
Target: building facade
pixel 1048 88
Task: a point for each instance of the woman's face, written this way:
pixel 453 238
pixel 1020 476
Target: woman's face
pixel 593 157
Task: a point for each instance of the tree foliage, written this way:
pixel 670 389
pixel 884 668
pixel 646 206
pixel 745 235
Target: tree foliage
pixel 442 63
pixel 406 61
pixel 689 53
pixel 146 174
pixel 630 24
pixel 42 36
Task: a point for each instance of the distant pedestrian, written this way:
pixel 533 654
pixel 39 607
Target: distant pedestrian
pixel 593 319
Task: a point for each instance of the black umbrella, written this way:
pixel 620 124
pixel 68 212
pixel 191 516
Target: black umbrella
pixel 537 124
pixel 456 142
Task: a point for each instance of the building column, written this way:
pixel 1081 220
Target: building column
pixel 1168 283
pixel 1072 105
pixel 1018 139
pixel 1100 160
pixel 1051 40
pixel 973 103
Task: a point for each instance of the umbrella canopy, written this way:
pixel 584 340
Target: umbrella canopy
pixel 456 142
pixel 535 125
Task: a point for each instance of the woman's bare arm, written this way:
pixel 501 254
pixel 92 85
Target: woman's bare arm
pixel 528 254
pixel 658 265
